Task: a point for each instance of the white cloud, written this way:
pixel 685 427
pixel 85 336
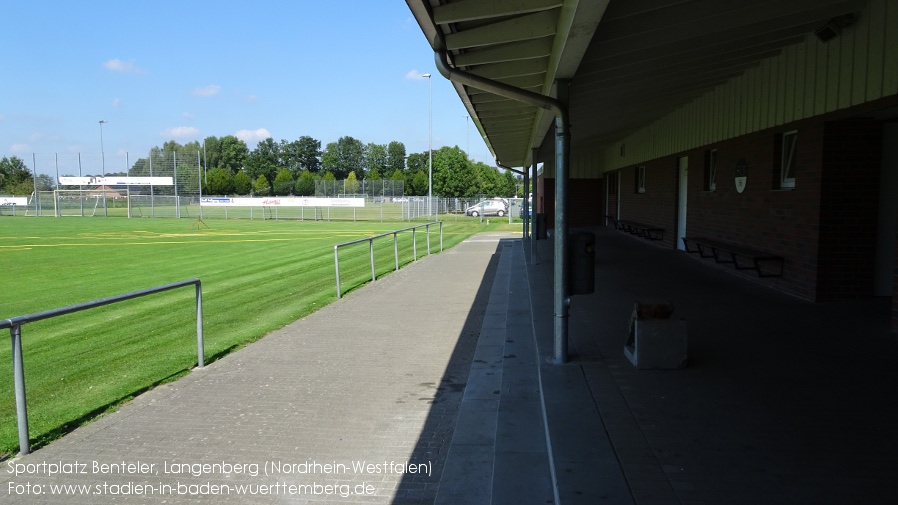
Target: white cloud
pixel 123 67
pixel 1 117
pixel 180 132
pixel 414 75
pixel 116 103
pixel 20 148
pixel 252 99
pixel 187 115
pixel 252 135
pixel 210 90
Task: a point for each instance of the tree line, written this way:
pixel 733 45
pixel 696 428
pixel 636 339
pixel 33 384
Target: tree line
pixel 292 167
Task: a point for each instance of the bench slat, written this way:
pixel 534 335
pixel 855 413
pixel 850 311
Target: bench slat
pixel 650 232
pixel 734 252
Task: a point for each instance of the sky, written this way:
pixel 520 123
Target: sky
pixel 184 70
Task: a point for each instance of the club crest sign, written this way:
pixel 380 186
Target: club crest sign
pixel 741 175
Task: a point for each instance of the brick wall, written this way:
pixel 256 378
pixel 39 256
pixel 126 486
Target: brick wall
pixel 586 204
pixel 849 205
pixel 825 227
pixel 658 204
pixel 762 217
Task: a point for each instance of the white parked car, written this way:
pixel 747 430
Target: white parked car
pixel 490 207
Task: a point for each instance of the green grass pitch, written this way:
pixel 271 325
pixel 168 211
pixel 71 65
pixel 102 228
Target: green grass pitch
pixel 256 276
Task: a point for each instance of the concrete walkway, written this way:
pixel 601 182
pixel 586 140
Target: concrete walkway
pixel 375 379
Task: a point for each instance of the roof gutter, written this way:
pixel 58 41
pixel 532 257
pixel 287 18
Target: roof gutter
pixel 558 106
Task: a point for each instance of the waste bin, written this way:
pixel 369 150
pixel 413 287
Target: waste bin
pixel 540 224
pixel 582 262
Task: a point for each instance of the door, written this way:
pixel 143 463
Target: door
pixel 681 200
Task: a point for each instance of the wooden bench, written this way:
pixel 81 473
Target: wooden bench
pixel 724 252
pixel 648 231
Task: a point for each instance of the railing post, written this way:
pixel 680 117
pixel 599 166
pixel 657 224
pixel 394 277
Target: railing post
pixel 396 250
pixel 414 244
pixel 427 232
pixel 441 236
pixel 200 347
pixel 337 268
pixel 18 372
pixel 371 247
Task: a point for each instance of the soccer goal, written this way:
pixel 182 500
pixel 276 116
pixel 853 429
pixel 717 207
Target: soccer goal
pixel 89 202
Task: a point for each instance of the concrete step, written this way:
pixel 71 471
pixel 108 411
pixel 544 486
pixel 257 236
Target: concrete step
pixel 498 452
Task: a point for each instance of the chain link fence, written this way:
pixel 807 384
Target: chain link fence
pixel 385 200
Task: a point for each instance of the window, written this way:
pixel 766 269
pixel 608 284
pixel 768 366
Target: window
pixel 710 170
pixel 640 179
pixel 787 159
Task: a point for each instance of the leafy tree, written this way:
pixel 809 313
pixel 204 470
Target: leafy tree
pixel 452 173
pixel 328 176
pixel 375 157
pixel 511 185
pixel 15 176
pixel 419 183
pixel 262 187
pixel 243 185
pixel 352 184
pixel 397 176
pixel 264 161
pixel 418 161
pixel 396 156
pixel 343 156
pixel 486 180
pixel 220 181
pixel 305 184
pixel 232 153
pixel 301 154
pixel 283 182
pixel 310 154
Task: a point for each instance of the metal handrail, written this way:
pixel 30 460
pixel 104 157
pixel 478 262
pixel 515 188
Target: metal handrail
pixel 394 233
pixel 15 330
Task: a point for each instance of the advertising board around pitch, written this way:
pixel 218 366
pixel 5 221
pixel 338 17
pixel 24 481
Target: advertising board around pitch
pixel 282 202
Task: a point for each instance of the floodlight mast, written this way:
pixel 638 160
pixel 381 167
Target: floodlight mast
pixel 103 165
pixel 102 151
pixel 429 146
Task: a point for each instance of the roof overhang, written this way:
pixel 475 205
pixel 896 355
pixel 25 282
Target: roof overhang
pixel 630 62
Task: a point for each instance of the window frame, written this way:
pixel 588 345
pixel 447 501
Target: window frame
pixel 710 170
pixel 788 142
pixel 640 179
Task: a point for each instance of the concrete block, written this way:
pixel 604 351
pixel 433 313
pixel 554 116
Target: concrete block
pixel 657 344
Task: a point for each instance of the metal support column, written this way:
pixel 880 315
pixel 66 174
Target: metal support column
pixel 533 260
pixel 561 297
pixel 525 209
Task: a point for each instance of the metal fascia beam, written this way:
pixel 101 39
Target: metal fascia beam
pixel 470 10
pixel 530 26
pixel 523 50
